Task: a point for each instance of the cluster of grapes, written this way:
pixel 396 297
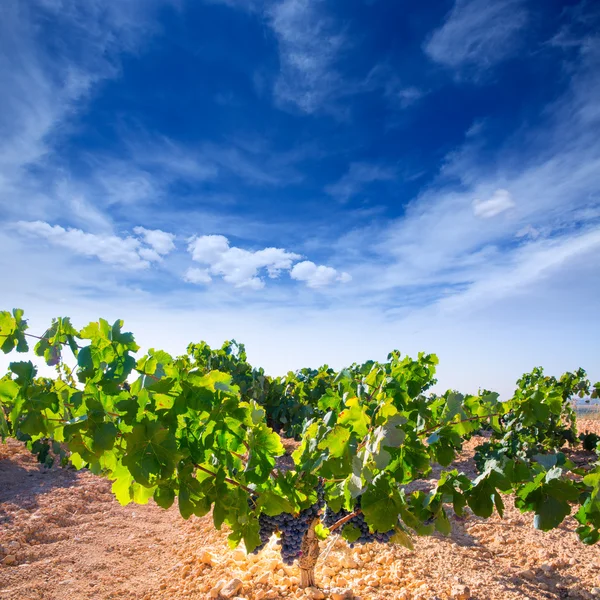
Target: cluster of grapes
pixel 268 526
pixel 291 528
pixel 366 536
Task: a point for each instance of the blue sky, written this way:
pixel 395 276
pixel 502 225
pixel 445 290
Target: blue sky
pixel 323 180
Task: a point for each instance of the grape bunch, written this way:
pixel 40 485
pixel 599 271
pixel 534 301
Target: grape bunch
pixel 292 528
pixel 267 527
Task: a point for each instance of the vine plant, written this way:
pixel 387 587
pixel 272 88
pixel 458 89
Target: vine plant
pixel 193 429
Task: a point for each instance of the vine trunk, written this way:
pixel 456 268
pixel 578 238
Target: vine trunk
pixel 308 558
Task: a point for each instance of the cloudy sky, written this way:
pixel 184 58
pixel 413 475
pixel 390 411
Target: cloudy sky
pixel 323 180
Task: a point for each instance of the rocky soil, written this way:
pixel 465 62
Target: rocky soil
pixel 63 536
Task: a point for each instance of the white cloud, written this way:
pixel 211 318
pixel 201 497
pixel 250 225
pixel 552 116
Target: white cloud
pixel 317 276
pixel 237 266
pixel 499 202
pixel 125 252
pixel 478 34
pixel 194 275
pixel 309 47
pixel 160 241
pixel 241 268
pixel 358 175
pixel 208 248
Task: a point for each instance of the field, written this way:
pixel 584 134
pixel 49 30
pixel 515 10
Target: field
pixel 70 539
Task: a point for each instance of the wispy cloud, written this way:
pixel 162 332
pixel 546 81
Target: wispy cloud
pixel 40 90
pixel 534 203
pixel 44 91
pixel 310 44
pixel 499 202
pixel 477 34
pixel 124 252
pixel 358 176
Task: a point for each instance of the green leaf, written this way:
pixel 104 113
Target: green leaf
pixel 551 513
pixel 321 532
pixel 248 531
pixel 8 390
pixel 151 453
pixel 402 538
pixel 164 496
pixel 104 437
pixel 273 504
pixel 354 416
pixel 381 503
pixel 351 533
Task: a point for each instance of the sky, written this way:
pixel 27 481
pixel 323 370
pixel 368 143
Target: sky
pixel 322 180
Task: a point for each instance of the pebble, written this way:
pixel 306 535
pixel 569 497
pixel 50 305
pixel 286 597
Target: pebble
pixel 9 560
pixel 264 578
pixel 229 590
pixel 314 593
pixel 460 592
pixel 214 592
pixel 341 594
pixel 595 591
pixel 208 559
pixel 527 574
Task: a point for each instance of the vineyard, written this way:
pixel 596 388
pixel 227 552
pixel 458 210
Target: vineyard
pixel 366 459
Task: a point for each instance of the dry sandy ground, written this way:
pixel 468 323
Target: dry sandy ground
pixel 72 540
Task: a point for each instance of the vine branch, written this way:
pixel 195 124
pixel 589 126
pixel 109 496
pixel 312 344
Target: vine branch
pixel 345 519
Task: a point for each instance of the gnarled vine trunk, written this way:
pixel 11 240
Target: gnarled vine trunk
pixel 308 558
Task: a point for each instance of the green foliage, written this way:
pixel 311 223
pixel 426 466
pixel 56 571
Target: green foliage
pixel 202 430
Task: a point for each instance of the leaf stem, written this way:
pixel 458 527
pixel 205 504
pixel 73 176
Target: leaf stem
pixel 228 480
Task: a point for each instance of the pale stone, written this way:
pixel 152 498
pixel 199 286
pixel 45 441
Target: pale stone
pixel 239 555
pixel 349 563
pixel 314 593
pixel 546 567
pixel 460 592
pixel 229 590
pixel 527 574
pixel 341 594
pixel 264 578
pixel 208 559
pixel 215 591
pixel 273 565
pixel 595 591
pixel 11 559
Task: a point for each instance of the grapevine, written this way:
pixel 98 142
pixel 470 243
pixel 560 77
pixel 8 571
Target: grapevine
pixel 203 429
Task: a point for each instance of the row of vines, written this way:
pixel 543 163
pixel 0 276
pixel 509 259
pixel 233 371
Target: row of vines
pixel 204 430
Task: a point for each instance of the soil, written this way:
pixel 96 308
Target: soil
pixel 70 539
